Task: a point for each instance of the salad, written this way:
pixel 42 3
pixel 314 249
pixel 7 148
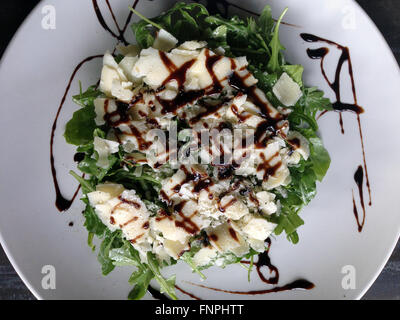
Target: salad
pixel 198 143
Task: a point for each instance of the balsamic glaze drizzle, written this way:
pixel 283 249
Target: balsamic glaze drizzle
pixel 320 54
pixel 191 295
pixel 295 285
pixel 62 203
pixel 79 156
pixel 359 178
pixel 264 261
pixel 121 31
pixel 157 294
pixel 339 106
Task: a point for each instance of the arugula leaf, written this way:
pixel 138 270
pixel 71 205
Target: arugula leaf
pixel 166 285
pixel 87 98
pixel 111 240
pixel 228 258
pixel 304 185
pixel 186 27
pixel 125 256
pixel 266 22
pixel 93 223
pixel 296 72
pixel 313 100
pixel 276 46
pixel 148 21
pixel 89 165
pixel 90 241
pixel 319 157
pixel 85 184
pixel 237 31
pixel 142 283
pixel 250 267
pixel 188 258
pixel 218 38
pixel 79 130
pixel 293 237
pixel 297 118
pixel 266 81
pixel 288 223
pixel 184 21
pixel 128 256
pixel 122 176
pixel 143 34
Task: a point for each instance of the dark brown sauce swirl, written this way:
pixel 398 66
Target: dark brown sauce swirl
pixel 191 295
pixel 340 106
pixel 63 204
pixel 79 156
pixel 295 285
pixel 359 178
pixel 121 31
pixel 320 54
pixel 157 294
pixel 264 261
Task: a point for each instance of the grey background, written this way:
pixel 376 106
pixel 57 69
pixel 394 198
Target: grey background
pixel 386 15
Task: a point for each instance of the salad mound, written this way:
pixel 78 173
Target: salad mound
pixel 199 142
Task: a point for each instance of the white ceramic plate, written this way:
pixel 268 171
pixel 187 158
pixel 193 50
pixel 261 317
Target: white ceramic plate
pixel 34 73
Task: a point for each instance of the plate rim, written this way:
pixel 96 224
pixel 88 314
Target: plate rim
pixel 32 288
pixel 396 240
pixel 3 242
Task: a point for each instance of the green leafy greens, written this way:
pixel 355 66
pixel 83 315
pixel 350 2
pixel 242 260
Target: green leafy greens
pixel 258 40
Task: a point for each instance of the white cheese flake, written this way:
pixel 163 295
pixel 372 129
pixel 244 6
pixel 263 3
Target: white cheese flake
pixel 101 105
pixel 299 143
pixel 233 208
pixel 122 209
pixel 225 239
pixel 164 41
pixel 204 256
pixel 104 148
pixel 287 90
pixel 266 202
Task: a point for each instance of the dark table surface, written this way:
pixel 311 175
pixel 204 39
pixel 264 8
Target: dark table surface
pixel 386 15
